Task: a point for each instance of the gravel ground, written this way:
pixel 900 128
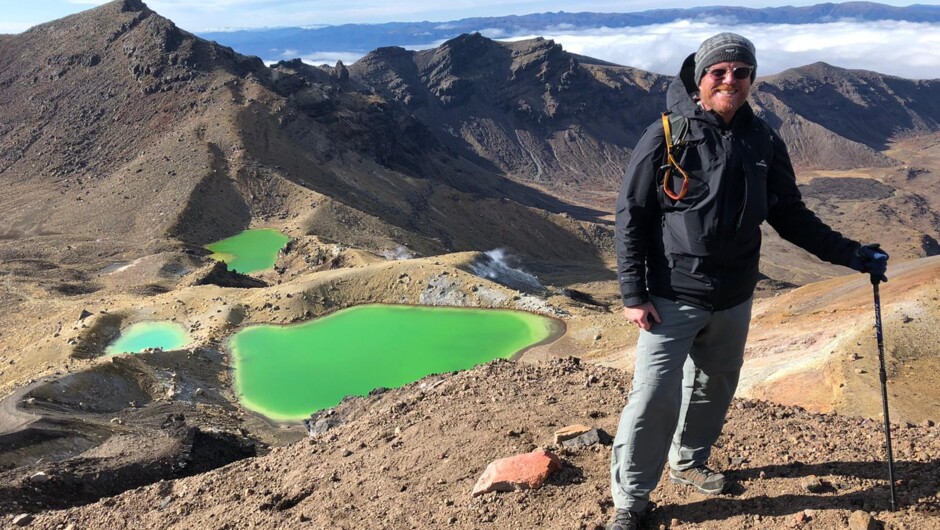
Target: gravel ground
pixel 408 458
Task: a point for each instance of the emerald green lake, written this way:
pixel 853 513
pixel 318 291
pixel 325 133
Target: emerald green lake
pixel 142 335
pixel 249 251
pixel 289 372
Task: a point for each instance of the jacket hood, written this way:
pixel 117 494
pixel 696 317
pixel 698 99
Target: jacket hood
pixel 682 94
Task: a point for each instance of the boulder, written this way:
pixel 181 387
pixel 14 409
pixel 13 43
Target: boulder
pixel 316 427
pixel 39 478
pixel 217 273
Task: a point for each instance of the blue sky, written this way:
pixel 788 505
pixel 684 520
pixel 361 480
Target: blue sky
pixel 204 15
pixel 899 48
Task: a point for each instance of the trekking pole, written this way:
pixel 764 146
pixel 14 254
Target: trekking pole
pixel 884 388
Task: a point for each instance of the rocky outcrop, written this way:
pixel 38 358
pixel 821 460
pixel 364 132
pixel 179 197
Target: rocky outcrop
pixel 217 273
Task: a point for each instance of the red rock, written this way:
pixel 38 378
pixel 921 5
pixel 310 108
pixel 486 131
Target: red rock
pixel 525 471
pixel 569 432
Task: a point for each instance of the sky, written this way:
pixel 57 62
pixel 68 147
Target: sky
pixel 899 48
pixel 205 15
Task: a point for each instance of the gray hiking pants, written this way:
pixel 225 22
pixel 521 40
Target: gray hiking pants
pixel 687 370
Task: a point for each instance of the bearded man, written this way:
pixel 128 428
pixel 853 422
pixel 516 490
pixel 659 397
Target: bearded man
pixel 688 245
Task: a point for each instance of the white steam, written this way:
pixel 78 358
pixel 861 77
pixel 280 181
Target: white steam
pixel 398 253
pixel 495 265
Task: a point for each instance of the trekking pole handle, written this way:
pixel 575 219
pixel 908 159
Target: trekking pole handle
pixel 878 256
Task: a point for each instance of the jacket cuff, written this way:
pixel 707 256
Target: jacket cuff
pixel 634 298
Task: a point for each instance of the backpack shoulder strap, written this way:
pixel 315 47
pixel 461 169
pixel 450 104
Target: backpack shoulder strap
pixel 675 127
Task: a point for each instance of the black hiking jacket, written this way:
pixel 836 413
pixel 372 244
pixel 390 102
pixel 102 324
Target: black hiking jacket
pixel 704 249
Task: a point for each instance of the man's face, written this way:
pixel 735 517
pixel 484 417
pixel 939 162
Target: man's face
pixel 726 94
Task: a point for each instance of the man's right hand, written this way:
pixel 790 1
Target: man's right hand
pixel 642 315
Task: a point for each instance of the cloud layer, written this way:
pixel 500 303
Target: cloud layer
pixel 904 49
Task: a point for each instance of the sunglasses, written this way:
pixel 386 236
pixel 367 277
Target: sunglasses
pixel 738 72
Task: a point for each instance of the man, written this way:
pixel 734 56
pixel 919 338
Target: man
pixel 688 244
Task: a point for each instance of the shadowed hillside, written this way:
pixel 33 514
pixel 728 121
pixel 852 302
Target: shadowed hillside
pixel 528 108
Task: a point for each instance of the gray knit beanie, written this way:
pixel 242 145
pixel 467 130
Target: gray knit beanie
pixel 724 47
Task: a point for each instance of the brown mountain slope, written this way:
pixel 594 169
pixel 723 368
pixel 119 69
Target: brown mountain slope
pixel 529 109
pixel 834 118
pixel 815 346
pixel 861 106
pixel 567 123
pixel 111 92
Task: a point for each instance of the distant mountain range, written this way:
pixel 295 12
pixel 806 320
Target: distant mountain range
pixel 273 43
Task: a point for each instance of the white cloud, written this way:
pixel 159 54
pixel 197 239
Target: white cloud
pixel 905 49
pixel 494 33
pixel 330 58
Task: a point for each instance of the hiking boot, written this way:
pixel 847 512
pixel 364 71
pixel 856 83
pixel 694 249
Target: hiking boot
pixel 624 520
pixel 627 519
pixel 701 478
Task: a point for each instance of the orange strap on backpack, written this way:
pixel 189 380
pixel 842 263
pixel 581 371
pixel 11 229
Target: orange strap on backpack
pixel 671 163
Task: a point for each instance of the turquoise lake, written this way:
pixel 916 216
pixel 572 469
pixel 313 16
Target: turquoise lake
pixel 143 335
pixel 249 251
pixel 289 372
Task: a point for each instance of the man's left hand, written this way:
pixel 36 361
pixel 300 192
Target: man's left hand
pixel 873 260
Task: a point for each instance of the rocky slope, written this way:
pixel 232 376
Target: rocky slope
pixel 125 136
pixel 833 118
pixel 405 459
pixel 535 112
pixel 549 117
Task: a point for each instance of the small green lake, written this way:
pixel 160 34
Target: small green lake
pixel 289 372
pixel 142 335
pixel 249 251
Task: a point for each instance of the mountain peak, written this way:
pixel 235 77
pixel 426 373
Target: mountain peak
pixel 131 5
